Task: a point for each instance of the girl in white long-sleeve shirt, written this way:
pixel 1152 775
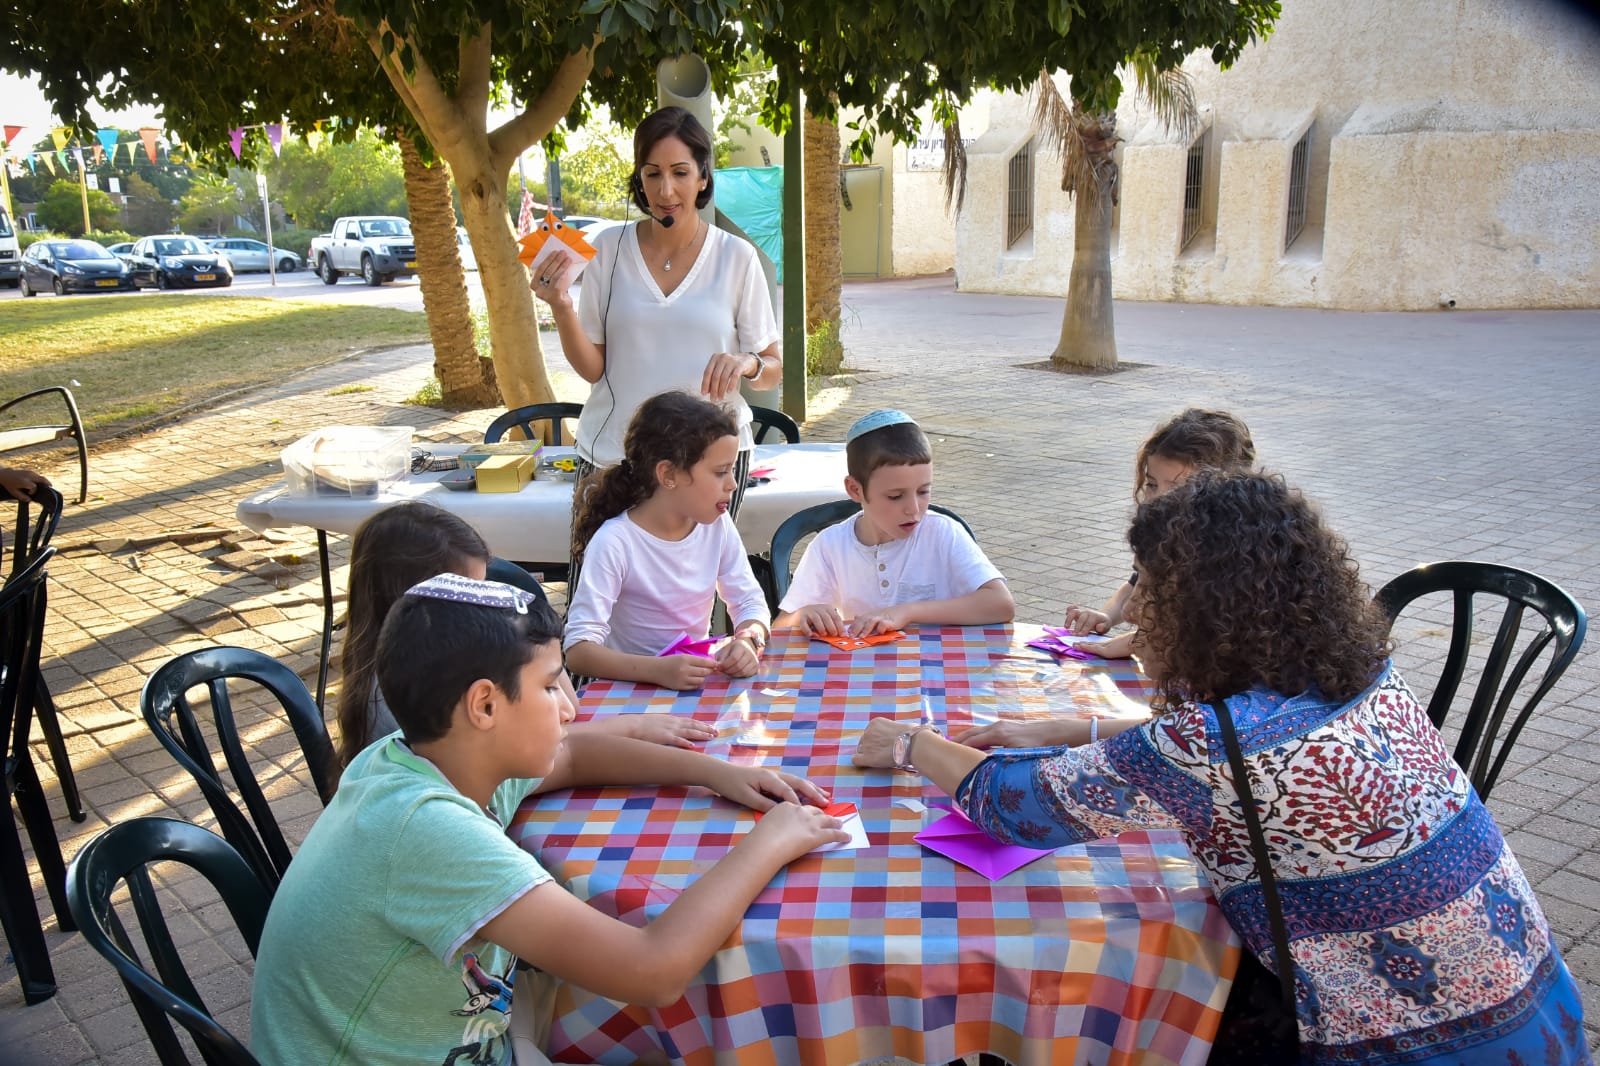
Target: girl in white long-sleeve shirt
pixel 657 546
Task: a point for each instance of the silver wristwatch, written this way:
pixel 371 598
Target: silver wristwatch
pixel 901 752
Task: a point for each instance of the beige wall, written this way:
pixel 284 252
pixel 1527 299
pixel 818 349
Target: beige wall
pixel 1454 154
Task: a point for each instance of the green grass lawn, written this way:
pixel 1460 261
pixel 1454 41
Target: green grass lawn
pixel 136 358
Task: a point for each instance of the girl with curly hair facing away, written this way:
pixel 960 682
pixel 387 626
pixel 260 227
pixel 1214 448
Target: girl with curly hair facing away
pixel 394 550
pixel 657 545
pixel 1413 933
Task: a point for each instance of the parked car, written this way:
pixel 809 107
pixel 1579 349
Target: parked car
pixel 244 253
pixel 378 247
pixel 121 251
pixel 72 266
pixel 580 221
pixel 177 261
pixel 597 227
pixel 469 259
pixel 10 251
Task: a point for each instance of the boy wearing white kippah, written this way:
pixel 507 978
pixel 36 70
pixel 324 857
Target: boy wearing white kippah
pixel 393 936
pixel 895 563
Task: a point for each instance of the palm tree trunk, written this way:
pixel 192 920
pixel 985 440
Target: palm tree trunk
pixel 465 379
pixel 824 256
pixel 1088 335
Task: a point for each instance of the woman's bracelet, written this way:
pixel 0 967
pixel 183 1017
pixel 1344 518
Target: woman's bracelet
pixel 1094 729
pixel 761 364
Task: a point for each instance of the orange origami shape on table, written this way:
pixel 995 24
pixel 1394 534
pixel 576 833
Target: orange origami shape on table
pixel 553 237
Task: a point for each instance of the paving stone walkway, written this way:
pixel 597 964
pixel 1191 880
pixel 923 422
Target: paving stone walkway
pixel 1424 436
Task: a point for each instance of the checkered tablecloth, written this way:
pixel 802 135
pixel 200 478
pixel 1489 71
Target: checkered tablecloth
pixel 1109 952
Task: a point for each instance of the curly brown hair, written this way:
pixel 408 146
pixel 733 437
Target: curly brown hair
pixel 672 427
pixel 1199 438
pixel 1242 585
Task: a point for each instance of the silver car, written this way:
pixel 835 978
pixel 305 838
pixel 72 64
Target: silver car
pixel 243 254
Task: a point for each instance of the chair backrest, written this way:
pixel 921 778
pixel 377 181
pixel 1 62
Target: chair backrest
pixel 524 419
pixel 1485 739
pixel 764 421
pixel 172 718
pixel 22 611
pixel 121 854
pixel 36 525
pixel 815 519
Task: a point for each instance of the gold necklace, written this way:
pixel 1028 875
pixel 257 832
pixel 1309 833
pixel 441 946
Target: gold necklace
pixel 667 265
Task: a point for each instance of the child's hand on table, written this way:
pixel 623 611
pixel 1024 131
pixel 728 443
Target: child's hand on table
pixel 738 657
pixel 875 622
pixel 821 619
pixel 1085 620
pixel 683 672
pixel 795 830
pixel 669 729
pixel 760 789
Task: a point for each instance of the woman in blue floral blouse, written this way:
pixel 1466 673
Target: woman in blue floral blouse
pixel 1414 934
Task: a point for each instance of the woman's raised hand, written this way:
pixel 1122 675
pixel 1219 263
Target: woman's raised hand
pixel 552 282
pixel 1086 620
pixel 722 374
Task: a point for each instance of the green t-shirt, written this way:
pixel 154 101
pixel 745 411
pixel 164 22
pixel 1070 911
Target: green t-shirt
pixel 371 951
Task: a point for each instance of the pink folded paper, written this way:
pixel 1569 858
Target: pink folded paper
pixel 763 471
pixel 955 837
pixel 686 646
pixel 1056 642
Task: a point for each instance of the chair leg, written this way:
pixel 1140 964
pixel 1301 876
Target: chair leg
pixel 41 828
pixel 50 729
pixel 83 469
pixel 19 915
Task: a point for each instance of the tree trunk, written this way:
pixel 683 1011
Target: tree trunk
pixel 1088 334
pixel 464 379
pixel 824 257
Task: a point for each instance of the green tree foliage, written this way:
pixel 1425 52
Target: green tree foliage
pixel 359 177
pixel 209 206
pixel 146 210
pixel 62 209
pixel 597 174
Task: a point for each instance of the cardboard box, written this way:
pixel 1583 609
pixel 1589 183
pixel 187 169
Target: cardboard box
pixel 477 453
pixel 506 473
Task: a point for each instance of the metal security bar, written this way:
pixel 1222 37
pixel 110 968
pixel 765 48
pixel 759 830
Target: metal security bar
pixel 1194 180
pixel 1299 169
pixel 1019 195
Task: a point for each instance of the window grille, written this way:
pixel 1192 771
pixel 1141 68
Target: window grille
pixel 1019 195
pixel 1299 168
pixel 1194 180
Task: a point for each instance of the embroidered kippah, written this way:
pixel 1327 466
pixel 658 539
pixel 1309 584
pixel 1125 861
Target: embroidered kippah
pixel 877 420
pixel 460 589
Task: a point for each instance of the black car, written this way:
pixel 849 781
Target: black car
pixel 178 261
pixel 72 266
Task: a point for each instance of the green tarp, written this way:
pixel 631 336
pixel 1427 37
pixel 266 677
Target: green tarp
pixel 753 198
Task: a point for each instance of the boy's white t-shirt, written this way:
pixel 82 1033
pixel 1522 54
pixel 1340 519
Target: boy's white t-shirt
pixel 939 561
pixel 639 593
pixel 657 342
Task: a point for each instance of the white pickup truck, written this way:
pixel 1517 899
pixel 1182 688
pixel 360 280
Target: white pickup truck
pixel 378 247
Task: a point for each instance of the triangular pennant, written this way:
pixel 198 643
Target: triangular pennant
pixel 59 135
pixel 236 140
pixel 275 137
pixel 107 139
pixel 99 153
pixel 77 153
pixel 315 138
pixel 32 168
pixel 147 134
pixel 49 163
pixel 11 133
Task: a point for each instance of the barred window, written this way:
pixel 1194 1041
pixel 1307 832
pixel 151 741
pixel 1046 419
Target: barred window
pixel 1194 181
pixel 1019 195
pixel 1299 170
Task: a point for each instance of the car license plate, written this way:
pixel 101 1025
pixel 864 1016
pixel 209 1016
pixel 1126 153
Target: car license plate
pixel 106 282
pixel 411 265
pixel 205 277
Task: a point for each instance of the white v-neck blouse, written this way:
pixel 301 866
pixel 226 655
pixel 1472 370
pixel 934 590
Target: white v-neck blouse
pixel 655 341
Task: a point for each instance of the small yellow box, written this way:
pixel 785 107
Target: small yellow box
pixel 506 473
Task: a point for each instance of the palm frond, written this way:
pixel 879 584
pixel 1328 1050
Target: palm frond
pixel 1170 93
pixel 955 163
pixel 1083 139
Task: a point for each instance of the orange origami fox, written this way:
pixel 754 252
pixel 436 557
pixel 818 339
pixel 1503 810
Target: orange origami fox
pixel 543 249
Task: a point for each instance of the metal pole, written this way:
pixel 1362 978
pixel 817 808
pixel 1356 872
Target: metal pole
pixel 266 217
pixel 794 262
pixel 83 187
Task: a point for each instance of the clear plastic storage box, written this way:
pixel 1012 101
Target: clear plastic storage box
pixel 348 460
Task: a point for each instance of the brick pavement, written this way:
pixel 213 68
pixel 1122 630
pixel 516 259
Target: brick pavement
pixel 1424 436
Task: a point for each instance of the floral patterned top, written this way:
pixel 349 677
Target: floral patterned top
pixel 1414 934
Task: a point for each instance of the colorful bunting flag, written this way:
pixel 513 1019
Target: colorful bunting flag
pixel 32 169
pixel 107 139
pixel 275 136
pixel 236 140
pixel 59 135
pixel 11 133
pixel 77 153
pixel 147 134
pixel 49 163
pixel 99 153
pixel 525 216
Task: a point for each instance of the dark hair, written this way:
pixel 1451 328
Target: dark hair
pixel 391 551
pixel 1242 585
pixel 1202 439
pixel 657 127
pixel 431 651
pixel 902 444
pixel 671 427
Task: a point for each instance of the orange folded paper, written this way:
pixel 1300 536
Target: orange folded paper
pixel 857 643
pixel 550 239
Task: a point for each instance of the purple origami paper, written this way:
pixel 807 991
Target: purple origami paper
pixel 684 645
pixel 1063 644
pixel 954 837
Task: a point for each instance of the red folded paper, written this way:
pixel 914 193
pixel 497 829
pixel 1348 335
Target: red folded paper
pixel 857 643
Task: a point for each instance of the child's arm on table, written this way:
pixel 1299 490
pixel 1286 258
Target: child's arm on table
pixel 814 618
pixel 988 604
pixel 1085 620
pixel 669 671
pixel 597 759
pixel 1052 733
pixel 652 727
pixel 562 935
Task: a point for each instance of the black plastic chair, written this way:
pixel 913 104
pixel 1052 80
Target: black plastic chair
pixel 525 418
pixel 1482 749
pixel 166 707
pixel 23 437
pixel 35 527
pixel 815 519
pixel 22 610
pixel 764 421
pixel 122 854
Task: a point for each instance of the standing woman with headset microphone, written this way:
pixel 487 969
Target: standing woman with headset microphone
pixel 669 302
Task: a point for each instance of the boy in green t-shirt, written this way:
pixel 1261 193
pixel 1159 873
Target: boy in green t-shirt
pixel 394 934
